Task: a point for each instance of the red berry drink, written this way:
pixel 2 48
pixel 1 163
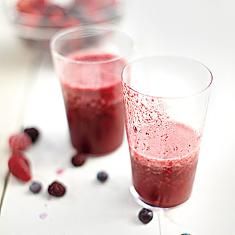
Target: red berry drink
pixel 164 166
pixel 93 99
pixel 165 101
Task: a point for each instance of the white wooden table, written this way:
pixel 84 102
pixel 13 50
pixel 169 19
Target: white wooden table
pixel 30 95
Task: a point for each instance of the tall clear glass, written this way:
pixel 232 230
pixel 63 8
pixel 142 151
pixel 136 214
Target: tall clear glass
pixel 89 61
pixel 165 107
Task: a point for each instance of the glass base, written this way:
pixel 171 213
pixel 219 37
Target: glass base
pixel 166 223
pixel 139 201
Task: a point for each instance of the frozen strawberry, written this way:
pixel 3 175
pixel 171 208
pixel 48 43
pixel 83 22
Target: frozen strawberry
pixel 20 142
pixel 30 6
pixel 19 166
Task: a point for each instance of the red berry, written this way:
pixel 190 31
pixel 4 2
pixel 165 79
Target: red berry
pixel 78 159
pixel 19 167
pixel 30 6
pixel 30 12
pixel 56 189
pixel 20 142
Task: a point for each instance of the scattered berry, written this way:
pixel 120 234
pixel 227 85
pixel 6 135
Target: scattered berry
pixel 19 167
pixel 56 189
pixel 35 187
pixel 78 159
pixel 102 176
pixel 145 215
pixel 19 142
pixel 185 234
pixel 33 133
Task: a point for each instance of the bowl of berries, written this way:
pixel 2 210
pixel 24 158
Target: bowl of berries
pixel 39 20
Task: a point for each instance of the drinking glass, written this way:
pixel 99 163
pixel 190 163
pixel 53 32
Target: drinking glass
pixel 166 100
pixel 89 61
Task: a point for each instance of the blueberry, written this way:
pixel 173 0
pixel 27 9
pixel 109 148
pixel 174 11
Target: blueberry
pixel 185 234
pixel 145 215
pixel 35 187
pixel 78 159
pixel 33 133
pixel 102 176
pixel 56 189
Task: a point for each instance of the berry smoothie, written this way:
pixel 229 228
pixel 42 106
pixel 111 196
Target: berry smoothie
pixel 93 100
pixel 164 163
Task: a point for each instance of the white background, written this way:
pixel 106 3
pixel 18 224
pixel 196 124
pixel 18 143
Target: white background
pixel 29 94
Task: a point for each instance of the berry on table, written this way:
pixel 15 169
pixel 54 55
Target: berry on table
pixel 145 215
pixel 35 187
pixel 102 176
pixel 79 159
pixel 56 189
pixel 19 142
pixel 33 133
pixel 19 167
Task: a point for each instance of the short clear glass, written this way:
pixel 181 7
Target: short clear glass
pixel 166 100
pixel 89 61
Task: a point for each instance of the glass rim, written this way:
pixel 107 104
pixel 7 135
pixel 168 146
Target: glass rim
pixel 205 88
pixel 70 30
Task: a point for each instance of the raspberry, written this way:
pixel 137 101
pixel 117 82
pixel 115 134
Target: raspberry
pixel 19 142
pixel 19 167
pixel 33 133
pixel 56 189
pixel 78 159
